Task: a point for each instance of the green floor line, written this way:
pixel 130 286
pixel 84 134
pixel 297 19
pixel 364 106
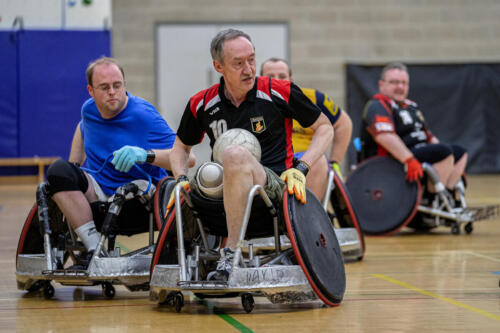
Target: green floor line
pixel 224 316
pixel 122 247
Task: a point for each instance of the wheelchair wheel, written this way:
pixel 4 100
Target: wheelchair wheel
pixel 315 247
pixel 340 200
pixel 382 198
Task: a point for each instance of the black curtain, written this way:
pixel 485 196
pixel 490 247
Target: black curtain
pixel 460 102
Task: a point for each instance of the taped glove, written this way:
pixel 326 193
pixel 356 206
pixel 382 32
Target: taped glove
pixel 413 169
pixel 125 157
pixel 184 181
pixel 295 179
pixel 336 168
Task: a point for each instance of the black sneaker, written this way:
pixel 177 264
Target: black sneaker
pixel 83 261
pixel 224 266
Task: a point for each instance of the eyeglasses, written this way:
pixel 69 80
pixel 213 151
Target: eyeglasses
pixel 397 82
pixel 106 87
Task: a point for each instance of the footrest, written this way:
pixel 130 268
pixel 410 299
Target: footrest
pixel 66 273
pixel 203 285
pixel 483 212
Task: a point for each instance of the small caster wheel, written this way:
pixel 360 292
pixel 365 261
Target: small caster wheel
pixel 36 286
pixel 108 290
pixel 455 229
pixel 469 228
pixel 247 302
pixel 178 302
pixel 48 290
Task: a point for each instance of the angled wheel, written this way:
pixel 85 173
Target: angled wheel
pixel 382 198
pixel 341 202
pixel 315 247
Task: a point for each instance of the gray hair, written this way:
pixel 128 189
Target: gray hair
pixel 393 65
pixel 217 44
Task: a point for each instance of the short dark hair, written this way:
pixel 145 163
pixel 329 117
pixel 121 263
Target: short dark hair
pixel 274 59
pixel 217 44
pixel 393 65
pixel 100 61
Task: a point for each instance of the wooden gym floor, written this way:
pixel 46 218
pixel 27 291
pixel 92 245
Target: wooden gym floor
pixel 409 282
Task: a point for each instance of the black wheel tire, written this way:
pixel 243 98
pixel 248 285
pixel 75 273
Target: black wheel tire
pixel 48 290
pixel 469 228
pixel 178 302
pixel 108 290
pixel 248 302
pixel 35 286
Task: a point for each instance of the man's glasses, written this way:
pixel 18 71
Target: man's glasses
pixel 397 82
pixel 107 87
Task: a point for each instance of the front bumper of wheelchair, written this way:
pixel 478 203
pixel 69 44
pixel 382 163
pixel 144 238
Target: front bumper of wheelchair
pixel 127 270
pixel 280 284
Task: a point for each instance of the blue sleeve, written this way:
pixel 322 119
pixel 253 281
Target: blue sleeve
pixel 160 135
pixel 328 107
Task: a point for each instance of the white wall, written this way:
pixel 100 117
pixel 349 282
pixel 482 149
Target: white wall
pixel 56 14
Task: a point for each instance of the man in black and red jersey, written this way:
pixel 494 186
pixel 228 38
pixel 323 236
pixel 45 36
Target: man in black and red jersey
pixel 394 125
pixel 262 106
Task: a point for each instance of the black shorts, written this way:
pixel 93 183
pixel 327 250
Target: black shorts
pixel 436 152
pixel 432 153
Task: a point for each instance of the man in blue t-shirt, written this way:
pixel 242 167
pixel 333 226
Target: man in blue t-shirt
pixel 117 131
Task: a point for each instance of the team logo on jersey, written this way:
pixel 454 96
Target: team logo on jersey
pixel 383 124
pixel 258 124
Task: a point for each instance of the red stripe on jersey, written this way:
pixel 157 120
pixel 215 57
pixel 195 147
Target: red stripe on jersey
pixel 263 85
pixel 195 100
pixel 282 87
pixel 205 96
pixel 212 92
pixel 289 149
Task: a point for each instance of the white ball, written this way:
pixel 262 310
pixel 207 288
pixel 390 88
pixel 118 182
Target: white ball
pixel 210 179
pixel 236 136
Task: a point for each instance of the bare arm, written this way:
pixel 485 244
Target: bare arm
pixel 179 158
pixel 77 153
pixel 342 137
pixel 323 135
pixel 162 158
pixel 394 145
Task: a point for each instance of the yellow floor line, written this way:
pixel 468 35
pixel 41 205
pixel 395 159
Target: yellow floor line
pixel 442 298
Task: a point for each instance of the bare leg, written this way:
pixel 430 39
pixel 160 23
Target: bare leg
pixel 443 169
pixel 241 172
pixel 75 205
pixel 316 179
pixel 456 173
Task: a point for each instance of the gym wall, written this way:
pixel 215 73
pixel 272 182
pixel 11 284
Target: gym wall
pixel 324 35
pixel 43 60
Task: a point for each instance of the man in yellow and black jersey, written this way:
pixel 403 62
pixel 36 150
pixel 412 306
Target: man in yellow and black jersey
pixel 341 122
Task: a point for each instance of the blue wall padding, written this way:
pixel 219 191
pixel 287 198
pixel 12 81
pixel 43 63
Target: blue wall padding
pixel 53 87
pixel 8 96
pixel 50 90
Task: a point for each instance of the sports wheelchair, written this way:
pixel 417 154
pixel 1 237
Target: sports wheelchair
pixel 385 202
pixel 310 267
pixel 47 243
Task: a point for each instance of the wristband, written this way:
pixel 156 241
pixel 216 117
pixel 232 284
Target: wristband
pixel 302 167
pixel 150 156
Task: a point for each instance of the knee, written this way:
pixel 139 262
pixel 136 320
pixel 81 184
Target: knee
pixel 65 176
pixel 236 158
